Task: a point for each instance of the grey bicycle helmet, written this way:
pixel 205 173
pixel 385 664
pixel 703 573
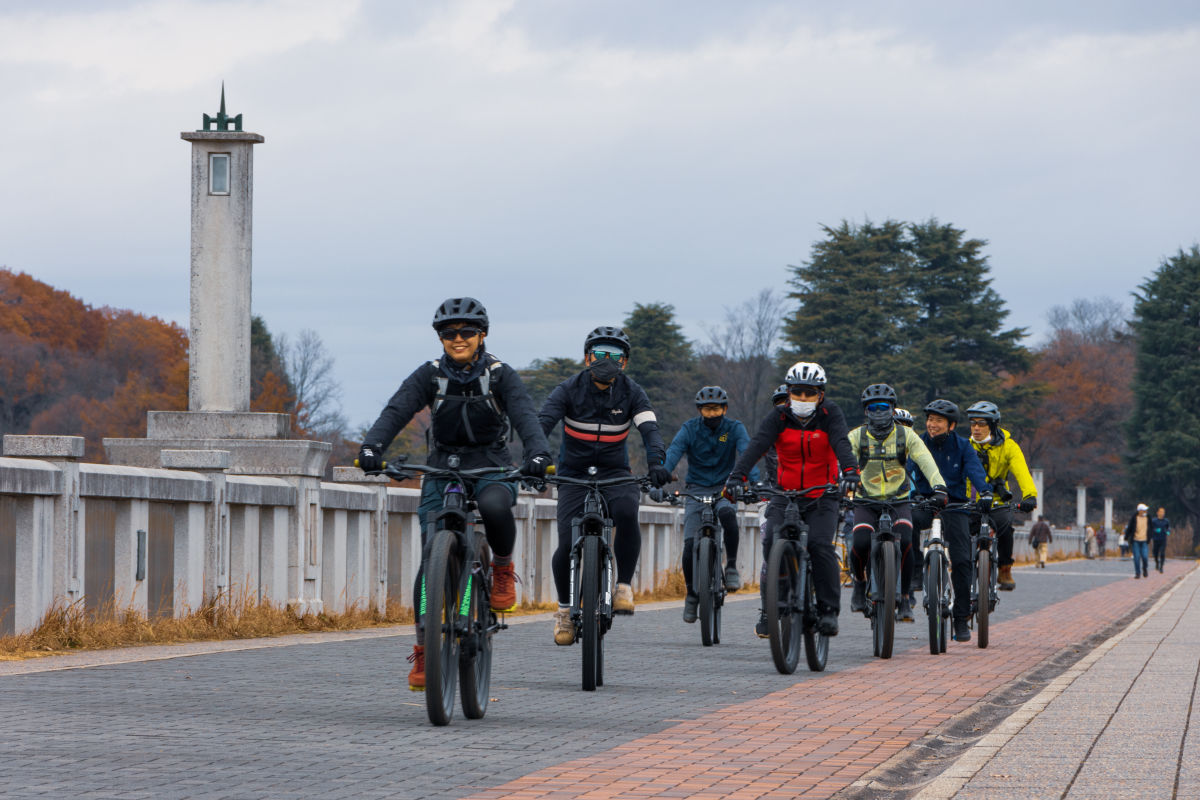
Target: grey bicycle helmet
pixel 903 416
pixel 461 309
pixel 607 334
pixel 712 394
pixel 877 392
pixel 985 409
pixel 943 408
pixel 780 394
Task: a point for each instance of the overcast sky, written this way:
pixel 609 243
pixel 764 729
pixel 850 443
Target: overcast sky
pixel 563 160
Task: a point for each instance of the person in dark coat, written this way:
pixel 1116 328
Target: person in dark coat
pixel 1160 529
pixel 1040 538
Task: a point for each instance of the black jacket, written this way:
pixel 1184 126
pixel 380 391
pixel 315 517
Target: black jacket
pixel 597 422
pixel 464 421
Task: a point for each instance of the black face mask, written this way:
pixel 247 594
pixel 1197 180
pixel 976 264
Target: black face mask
pixel 940 439
pixel 712 422
pixel 604 370
pixel 879 422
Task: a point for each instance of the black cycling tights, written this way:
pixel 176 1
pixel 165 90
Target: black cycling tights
pixel 729 524
pixel 866 518
pixel 627 538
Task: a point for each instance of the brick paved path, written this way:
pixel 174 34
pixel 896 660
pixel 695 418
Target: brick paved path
pixel 333 720
pixel 807 741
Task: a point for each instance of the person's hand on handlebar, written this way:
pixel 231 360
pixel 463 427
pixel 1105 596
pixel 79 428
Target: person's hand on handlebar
pixel 734 486
pixel 849 480
pixel 660 476
pixel 536 466
pixel 1027 504
pixel 370 457
pixel 985 503
pixel 940 498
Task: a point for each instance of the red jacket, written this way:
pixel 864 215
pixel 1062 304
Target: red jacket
pixel 810 451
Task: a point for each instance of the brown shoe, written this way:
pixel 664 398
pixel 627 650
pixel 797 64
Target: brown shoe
pixel 1007 584
pixel 416 675
pixel 504 587
pixel 564 628
pixel 623 602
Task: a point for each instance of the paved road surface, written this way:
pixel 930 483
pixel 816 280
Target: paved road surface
pixel 335 719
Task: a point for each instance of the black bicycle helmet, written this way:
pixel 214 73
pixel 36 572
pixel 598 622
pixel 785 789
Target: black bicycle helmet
pixel 780 394
pixel 943 408
pixel 461 309
pixel 985 409
pixel 607 334
pixel 878 391
pixel 712 394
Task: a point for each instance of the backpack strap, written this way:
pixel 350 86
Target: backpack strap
pixel 864 448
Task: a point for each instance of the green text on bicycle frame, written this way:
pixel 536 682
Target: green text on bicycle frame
pixel 465 606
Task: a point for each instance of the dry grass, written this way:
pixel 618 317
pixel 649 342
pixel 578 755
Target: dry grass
pixel 71 628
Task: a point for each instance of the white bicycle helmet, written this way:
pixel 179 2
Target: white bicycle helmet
pixel 805 373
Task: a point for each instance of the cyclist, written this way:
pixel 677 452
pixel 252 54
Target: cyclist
pixel 1002 458
pixel 711 442
pixel 472 395
pixel 809 437
pixel 904 417
pixel 957 463
pixel 598 407
pixel 884 449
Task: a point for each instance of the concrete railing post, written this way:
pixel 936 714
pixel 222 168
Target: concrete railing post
pixel 213 543
pixel 64 453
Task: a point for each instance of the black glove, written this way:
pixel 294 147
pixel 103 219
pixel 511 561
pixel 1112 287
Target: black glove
pixel 985 503
pixel 659 495
pixel 659 475
pixel 1027 504
pixel 940 497
pixel 370 457
pixel 733 486
pixel 535 467
pixel 849 481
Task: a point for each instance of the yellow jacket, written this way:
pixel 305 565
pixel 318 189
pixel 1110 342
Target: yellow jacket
pixel 1002 457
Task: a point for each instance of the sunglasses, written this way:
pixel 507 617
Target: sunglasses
pixel 878 407
pixel 802 391
pixel 450 334
pixel 599 353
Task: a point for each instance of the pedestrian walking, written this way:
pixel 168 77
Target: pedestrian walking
pixel 1040 539
pixel 1160 529
pixel 1101 541
pixel 1089 541
pixel 1137 533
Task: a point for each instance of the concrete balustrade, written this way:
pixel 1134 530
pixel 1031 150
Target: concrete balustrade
pixel 164 542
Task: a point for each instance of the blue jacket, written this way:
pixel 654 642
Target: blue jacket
pixel 711 453
pixel 957 461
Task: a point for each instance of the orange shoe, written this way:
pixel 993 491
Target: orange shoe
pixel 416 675
pixel 504 587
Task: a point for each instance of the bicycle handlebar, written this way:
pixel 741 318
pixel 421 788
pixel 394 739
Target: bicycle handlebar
pixel 599 483
pixel 826 490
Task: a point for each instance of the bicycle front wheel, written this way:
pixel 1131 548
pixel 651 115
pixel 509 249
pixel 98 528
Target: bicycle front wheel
pixel 983 607
pixel 784 623
pixel 706 561
pixel 933 601
pixel 883 620
pixel 441 639
pixel 475 653
pixel 589 605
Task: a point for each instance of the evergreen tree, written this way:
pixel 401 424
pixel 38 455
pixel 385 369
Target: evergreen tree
pixel 853 304
pixel 663 362
pixel 1164 431
pixel 956 346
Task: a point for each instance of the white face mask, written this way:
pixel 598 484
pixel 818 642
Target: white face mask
pixel 981 438
pixel 803 408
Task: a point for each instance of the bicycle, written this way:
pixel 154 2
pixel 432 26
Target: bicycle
pixel 456 588
pixel 841 545
pixel 593 569
pixel 708 579
pixel 883 578
pixel 790 594
pixel 935 578
pixel 985 574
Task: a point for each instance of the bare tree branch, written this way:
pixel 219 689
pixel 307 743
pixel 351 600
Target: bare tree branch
pixel 740 354
pixel 318 395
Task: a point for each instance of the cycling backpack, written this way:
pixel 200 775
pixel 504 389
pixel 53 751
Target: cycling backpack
pixel 867 452
pixel 493 424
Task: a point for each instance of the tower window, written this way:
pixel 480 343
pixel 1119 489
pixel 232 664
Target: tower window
pixel 218 173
